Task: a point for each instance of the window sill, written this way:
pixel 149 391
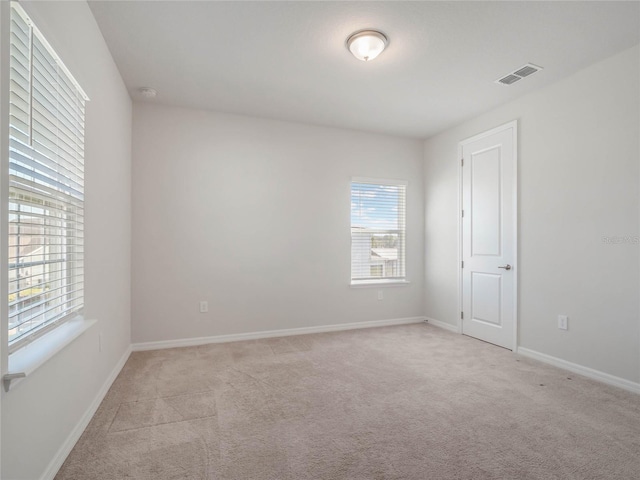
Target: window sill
pixel 32 356
pixel 379 283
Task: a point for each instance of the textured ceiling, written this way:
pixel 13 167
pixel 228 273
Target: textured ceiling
pixel 288 60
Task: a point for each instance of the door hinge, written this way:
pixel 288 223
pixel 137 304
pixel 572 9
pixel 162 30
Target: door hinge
pixel 461 315
pixel 462 162
pixel 463 213
pixel 462 266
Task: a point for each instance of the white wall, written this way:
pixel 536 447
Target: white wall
pixel 253 216
pixel 39 414
pixel 579 156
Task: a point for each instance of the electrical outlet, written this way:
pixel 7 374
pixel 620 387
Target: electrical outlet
pixel 380 294
pixel 204 306
pixel 563 322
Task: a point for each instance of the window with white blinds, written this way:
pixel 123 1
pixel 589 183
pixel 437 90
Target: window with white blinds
pixel 378 231
pixel 46 186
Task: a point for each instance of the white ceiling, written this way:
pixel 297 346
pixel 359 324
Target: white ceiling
pixel 288 60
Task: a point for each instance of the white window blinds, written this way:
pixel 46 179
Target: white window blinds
pixel 46 185
pixel 378 209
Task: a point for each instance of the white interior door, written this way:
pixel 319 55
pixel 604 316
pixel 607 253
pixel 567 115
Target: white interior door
pixel 489 229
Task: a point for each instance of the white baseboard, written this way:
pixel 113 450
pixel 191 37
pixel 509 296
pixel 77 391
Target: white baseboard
pixel 236 337
pixel 62 453
pixel 581 370
pixel 446 326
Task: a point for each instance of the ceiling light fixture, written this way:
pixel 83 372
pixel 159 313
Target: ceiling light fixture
pixel 147 92
pixel 366 45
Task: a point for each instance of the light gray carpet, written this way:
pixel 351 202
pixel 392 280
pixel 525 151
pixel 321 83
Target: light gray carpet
pixel 406 402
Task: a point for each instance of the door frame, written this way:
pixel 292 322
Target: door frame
pixel 516 292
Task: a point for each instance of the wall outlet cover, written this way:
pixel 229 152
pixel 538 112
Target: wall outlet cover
pixel 563 322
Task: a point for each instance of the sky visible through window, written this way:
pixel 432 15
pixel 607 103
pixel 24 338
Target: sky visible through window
pixel 375 206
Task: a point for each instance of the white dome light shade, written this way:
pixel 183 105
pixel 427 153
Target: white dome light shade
pixel 148 92
pixel 367 44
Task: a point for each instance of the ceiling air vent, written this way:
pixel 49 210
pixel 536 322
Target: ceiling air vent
pixel 519 74
pixel 509 79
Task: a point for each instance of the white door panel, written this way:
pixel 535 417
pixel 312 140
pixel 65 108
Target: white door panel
pixel 484 189
pixel 485 298
pixel 489 236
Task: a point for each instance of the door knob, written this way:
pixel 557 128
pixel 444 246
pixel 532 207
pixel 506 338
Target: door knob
pixel 506 267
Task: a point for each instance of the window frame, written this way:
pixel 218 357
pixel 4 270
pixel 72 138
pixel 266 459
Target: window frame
pixel 401 232
pixel 71 303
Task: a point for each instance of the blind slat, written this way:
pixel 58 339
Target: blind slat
pixel 49 168
pixel 25 186
pixel 37 156
pixel 24 305
pixel 17 286
pixel 36 321
pixel 35 175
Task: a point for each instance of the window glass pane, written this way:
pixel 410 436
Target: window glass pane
pixel 377 231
